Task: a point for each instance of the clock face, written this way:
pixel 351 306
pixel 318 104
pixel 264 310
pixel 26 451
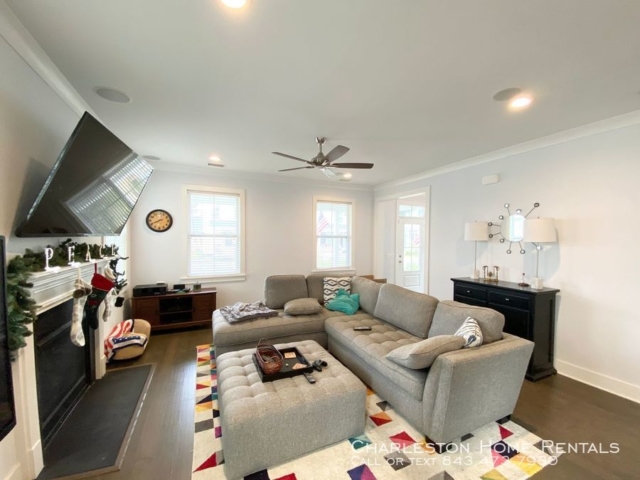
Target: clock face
pixel 159 220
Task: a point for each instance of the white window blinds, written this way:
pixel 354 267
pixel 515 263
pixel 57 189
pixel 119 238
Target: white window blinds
pixel 333 234
pixel 214 233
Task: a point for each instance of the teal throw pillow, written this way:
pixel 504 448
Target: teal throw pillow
pixel 343 302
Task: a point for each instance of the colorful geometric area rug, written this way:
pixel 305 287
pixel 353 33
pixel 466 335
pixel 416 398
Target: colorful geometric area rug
pixel 389 448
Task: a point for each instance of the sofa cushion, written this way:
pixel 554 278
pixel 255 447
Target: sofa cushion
pixel 302 306
pixel 373 346
pixel 344 302
pixel 451 315
pixel 405 309
pixel 315 283
pixel 251 331
pixel 332 285
pixel 424 353
pixel 279 289
pixel 471 333
pixel 368 291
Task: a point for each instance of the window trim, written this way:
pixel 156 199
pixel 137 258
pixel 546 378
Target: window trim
pixel 234 277
pixel 350 201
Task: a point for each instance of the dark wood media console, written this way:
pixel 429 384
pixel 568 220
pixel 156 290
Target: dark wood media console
pixel 176 310
pixel 528 313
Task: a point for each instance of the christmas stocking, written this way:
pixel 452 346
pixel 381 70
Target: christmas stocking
pixel 108 304
pixel 82 289
pixel 100 287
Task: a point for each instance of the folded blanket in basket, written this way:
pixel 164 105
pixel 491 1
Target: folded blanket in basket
pixel 246 311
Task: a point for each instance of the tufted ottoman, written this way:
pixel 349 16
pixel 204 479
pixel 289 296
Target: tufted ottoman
pixel 266 424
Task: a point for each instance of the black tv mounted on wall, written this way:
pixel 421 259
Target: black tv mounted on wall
pixel 7 405
pixel 92 188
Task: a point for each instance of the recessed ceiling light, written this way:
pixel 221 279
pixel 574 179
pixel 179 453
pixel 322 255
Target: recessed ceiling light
pixel 112 95
pixel 215 159
pixel 347 175
pixel 520 102
pixel 153 158
pixel 234 3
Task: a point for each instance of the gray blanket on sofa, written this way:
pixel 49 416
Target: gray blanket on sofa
pixel 246 311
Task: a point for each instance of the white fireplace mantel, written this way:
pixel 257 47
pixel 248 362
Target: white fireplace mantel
pixel 54 288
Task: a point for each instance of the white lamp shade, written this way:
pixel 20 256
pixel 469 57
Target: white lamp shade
pixel 476 231
pixel 540 230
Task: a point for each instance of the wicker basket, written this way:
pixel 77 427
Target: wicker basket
pixel 269 358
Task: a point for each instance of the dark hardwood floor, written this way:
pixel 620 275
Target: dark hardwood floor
pixel 564 410
pixel 162 442
pixel 556 408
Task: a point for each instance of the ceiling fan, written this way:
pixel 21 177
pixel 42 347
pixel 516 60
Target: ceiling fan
pixel 325 162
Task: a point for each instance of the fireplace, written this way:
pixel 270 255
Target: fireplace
pixel 63 370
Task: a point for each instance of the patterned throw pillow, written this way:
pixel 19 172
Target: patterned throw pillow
pixel 470 331
pixel 333 284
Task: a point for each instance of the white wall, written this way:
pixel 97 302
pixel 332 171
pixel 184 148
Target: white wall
pixel 591 187
pixel 279 226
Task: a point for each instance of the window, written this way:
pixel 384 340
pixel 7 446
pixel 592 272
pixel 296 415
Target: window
pixel 333 234
pixel 215 232
pixel 412 211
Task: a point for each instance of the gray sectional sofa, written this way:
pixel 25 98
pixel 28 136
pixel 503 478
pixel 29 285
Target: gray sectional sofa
pixel 462 391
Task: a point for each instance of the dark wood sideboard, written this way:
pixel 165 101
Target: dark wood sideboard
pixel 176 310
pixel 528 313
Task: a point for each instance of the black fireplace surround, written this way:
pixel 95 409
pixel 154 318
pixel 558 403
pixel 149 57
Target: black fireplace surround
pixel 63 370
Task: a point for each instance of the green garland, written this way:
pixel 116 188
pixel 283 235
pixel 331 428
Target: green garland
pixel 21 308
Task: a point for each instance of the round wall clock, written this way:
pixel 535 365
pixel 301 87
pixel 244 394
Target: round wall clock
pixel 159 220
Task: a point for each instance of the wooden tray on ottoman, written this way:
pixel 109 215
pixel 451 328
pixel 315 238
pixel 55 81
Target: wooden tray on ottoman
pixel 287 370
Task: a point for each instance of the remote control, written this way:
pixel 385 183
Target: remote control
pixel 361 329
pixel 309 377
pixel 318 364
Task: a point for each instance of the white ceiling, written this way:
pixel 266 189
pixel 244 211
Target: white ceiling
pixel 407 85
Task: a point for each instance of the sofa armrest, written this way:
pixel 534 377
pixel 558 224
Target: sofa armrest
pixel 469 388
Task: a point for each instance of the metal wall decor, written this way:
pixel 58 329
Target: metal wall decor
pixel 512 227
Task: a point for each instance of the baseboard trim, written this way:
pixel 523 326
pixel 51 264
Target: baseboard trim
pixel 598 380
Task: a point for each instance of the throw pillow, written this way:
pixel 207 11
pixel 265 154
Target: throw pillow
pixel 470 331
pixel 344 302
pixel 302 306
pixel 422 354
pixel 331 286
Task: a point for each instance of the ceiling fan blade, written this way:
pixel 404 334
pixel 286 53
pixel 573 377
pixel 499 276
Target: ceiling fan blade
pixel 291 169
pixel 291 157
pixel 352 165
pixel 336 153
pixel 328 172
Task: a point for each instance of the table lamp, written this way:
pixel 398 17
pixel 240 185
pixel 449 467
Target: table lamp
pixel 537 231
pixel 476 232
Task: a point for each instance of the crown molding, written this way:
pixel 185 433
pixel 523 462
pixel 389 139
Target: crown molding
pixel 19 38
pixel 590 129
pixel 261 177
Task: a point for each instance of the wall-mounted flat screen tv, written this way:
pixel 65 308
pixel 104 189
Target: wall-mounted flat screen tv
pixel 92 188
pixel 7 407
